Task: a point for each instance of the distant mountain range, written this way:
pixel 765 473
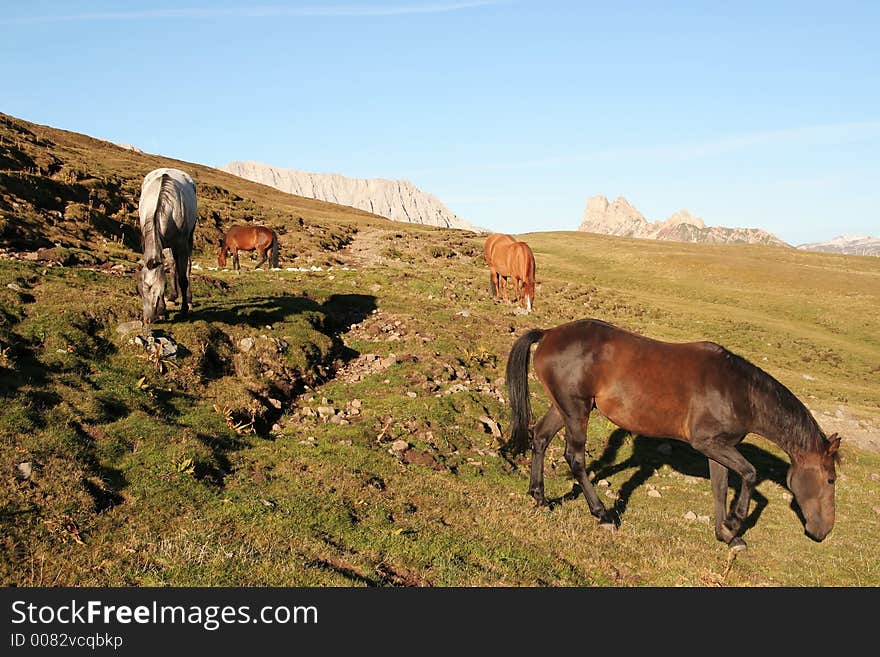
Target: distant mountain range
pixel 847 245
pixel 398 200
pixel 621 218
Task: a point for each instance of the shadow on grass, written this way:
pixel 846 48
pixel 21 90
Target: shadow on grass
pixel 647 459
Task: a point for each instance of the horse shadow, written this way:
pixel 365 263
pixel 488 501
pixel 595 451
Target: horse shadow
pixel 651 454
pixel 333 318
pixel 336 315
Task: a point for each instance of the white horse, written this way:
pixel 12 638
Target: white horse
pixel 168 216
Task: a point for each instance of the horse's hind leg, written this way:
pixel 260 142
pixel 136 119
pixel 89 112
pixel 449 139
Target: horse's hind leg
pixel 263 258
pixel 576 415
pixel 547 427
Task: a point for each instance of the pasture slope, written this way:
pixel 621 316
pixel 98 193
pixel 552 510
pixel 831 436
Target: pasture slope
pixel 336 424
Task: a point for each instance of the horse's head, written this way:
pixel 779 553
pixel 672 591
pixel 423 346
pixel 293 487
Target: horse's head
pixel 811 478
pixel 528 292
pixel 151 287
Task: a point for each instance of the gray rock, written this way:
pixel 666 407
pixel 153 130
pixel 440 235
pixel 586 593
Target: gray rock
pixel 246 344
pixel 326 411
pixel 25 470
pixel 653 493
pixel 399 446
pixel 14 286
pixel 690 515
pixel 127 327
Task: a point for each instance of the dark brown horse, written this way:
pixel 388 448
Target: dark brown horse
pixel 508 258
pixel 249 238
pixel 697 392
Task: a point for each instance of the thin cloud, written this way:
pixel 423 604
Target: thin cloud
pixel 836 133
pixel 340 11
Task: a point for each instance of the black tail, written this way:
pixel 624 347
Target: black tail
pixel 274 259
pixel 518 391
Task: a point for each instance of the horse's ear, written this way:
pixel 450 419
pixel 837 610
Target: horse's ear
pixel 833 444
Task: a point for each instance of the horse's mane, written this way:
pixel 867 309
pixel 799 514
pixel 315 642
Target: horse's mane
pixel 771 401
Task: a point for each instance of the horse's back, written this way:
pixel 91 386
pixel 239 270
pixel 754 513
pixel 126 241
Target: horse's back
pixel 643 385
pixel 494 243
pixel 523 260
pixel 184 208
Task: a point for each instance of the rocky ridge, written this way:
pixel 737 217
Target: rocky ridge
pixel 398 200
pixel 620 218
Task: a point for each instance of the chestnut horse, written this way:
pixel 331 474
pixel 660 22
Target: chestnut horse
pixel 249 238
pixel 697 392
pixel 509 258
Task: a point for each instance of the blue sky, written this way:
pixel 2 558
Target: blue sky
pixel 763 114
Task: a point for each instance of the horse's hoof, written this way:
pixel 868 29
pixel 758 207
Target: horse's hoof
pixel 737 545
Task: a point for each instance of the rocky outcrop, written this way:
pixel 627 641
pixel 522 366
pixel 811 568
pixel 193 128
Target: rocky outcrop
pixel 847 245
pixel 620 218
pixel 398 200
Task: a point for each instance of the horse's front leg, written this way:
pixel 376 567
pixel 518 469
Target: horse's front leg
pixel 724 456
pixel 262 259
pixel 235 264
pixel 576 416
pixel 547 427
pixel 182 266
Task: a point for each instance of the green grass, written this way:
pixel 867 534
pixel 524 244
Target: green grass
pixel 184 472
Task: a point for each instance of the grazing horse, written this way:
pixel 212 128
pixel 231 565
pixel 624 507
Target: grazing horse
pixel 249 238
pixel 697 392
pixel 508 258
pixel 168 215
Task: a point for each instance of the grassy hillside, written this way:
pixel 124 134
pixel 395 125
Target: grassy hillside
pixel 334 426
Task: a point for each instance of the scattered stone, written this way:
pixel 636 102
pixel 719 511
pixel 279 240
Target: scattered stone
pixel 808 377
pixel 276 428
pixel 275 403
pixel 690 515
pixel 246 344
pixel 25 470
pixel 417 457
pixel 412 394
pixel 463 313
pixel 14 286
pixel 356 403
pixel 326 411
pixel 875 476
pixel 127 327
pixel 399 446
pixel 491 425
pixel 164 347
pixel 653 492
pixel 611 494
pixel 345 442
pixel 703 519
pixel 876 509
pixel 603 483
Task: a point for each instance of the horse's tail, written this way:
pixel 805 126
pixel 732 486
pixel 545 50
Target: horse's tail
pixel 164 205
pixel 274 258
pixel 518 391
